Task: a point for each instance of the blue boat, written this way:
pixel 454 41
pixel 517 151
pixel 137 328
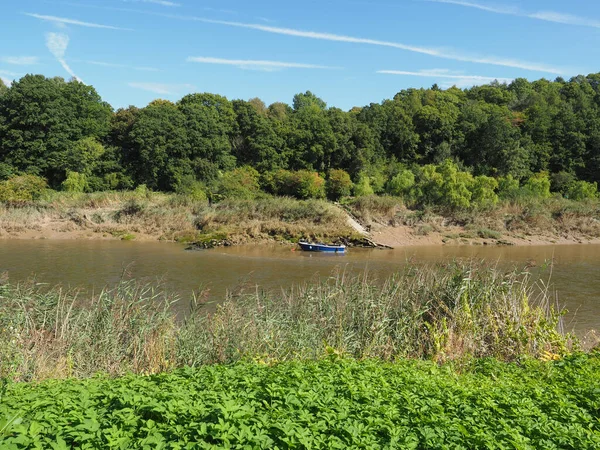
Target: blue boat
pixel 323 248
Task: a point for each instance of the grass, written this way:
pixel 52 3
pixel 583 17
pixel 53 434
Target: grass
pixel 552 218
pixel 146 214
pixel 442 313
pixel 172 217
pixel 332 403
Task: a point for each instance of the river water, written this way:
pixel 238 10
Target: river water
pixel 91 265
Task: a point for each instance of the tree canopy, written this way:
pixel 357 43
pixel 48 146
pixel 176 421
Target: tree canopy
pixel 61 130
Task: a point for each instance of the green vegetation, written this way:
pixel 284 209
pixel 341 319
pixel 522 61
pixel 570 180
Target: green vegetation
pixel 320 405
pixel 448 356
pixel 523 216
pixel 450 312
pixel 453 149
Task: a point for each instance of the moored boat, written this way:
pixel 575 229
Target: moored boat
pixel 323 248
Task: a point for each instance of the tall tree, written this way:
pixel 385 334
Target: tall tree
pixel 43 118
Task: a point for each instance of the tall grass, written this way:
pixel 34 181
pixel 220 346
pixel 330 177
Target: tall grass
pixel 175 217
pixel 440 313
pixel 548 217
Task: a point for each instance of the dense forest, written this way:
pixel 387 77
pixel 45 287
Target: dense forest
pixel 542 134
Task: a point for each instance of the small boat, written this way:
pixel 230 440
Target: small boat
pixel 323 248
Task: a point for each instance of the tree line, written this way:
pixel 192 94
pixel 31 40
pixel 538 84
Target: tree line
pixel 484 137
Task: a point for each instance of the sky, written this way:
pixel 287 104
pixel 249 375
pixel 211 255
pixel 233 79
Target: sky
pixel 348 52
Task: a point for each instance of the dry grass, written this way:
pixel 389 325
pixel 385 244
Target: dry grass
pixel 551 218
pixel 177 218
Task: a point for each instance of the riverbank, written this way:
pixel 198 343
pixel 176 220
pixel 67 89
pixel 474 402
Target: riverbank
pixel 147 216
pixel 456 353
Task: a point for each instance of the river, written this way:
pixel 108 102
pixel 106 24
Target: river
pixel 92 265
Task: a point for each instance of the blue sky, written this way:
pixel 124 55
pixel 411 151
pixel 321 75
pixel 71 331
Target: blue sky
pixel 350 53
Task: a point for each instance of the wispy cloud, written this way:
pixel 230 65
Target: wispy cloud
pixel 65 21
pixel 162 88
pixel 20 60
pixel 439 53
pixel 256 64
pixel 435 52
pixel 458 79
pixel 117 66
pixel 7 76
pixel 57 43
pixel 547 16
pixel 8 73
pixel 224 11
pixel 156 2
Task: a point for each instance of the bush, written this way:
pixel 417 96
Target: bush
pixel 561 181
pixel 508 188
pixel 582 190
pixel 239 183
pixel 338 184
pixel 538 185
pixel 190 187
pixel 444 185
pixel 483 190
pixel 22 188
pixel 362 187
pixel 457 185
pixel 307 184
pixel 75 182
pixel 401 184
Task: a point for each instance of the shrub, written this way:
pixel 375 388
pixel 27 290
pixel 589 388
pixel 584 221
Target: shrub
pixel 508 188
pixel 538 185
pixel 190 187
pixel 457 185
pixel 277 182
pixel 239 183
pixel 483 190
pixel 444 185
pixel 23 187
pixel 338 184
pixel 561 181
pixel 401 184
pixel 362 187
pixel 306 184
pixel 582 190
pixel 75 182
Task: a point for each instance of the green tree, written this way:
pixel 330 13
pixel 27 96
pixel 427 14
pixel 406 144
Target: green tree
pixel 308 184
pixel 161 147
pixel 338 184
pixel 582 190
pixel 362 187
pixel 41 120
pixel 210 126
pixel 256 142
pixel 242 182
pixel 308 99
pixel 508 187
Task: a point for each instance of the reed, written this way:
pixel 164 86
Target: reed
pixel 442 313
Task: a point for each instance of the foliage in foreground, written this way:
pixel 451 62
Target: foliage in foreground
pixel 449 312
pixel 319 405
